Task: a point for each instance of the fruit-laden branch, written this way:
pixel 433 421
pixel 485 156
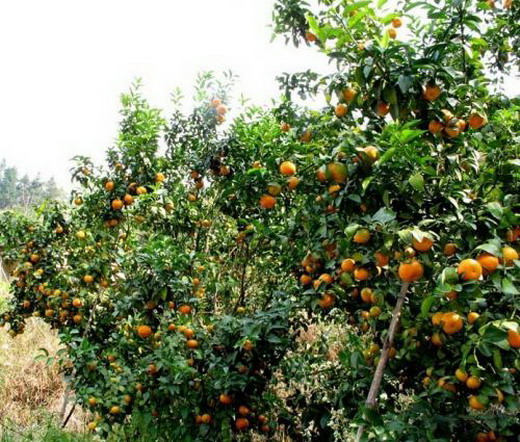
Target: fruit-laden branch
pixel 389 341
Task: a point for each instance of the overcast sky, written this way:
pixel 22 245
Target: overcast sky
pixel 65 64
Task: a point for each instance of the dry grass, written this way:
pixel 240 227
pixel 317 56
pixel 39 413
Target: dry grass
pixel 30 390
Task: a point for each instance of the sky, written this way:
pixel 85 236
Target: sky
pixel 65 64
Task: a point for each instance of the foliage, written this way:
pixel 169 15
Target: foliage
pixel 180 281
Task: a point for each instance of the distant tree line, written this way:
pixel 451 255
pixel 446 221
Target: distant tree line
pixel 18 191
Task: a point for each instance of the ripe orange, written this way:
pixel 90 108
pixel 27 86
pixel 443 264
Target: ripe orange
pixel 128 200
pixel 152 369
pixel 375 311
pixel 382 260
pixel 225 399
pixel 274 189
pixel 159 177
pixel 337 172
pixel 392 33
pixel 477 120
pixel 185 309
pixel 424 245
pixel 109 186
pixel 241 423
pixel 215 103
pixel 452 131
pixel 267 201
pixel 287 168
pixel 382 109
pixel 285 127
pixel 88 279
pixel 205 418
pixel 117 204
pixel 341 110
pixel 435 127
pixel 144 331
pixel 192 343
pixel 397 22
pixel 347 265
pixel 248 345
pixel 171 327
pixel 221 109
pixel 349 94
pixel 115 410
pixel 411 271
pixel 513 337
pixel 451 323
pixel 366 294
pixel 472 317
pixel 362 236
pixel 509 255
pixel 469 269
pixel 372 153
pixel 450 249
pixel 461 375
pixel 488 262
pixel 306 137
pixel 431 92
pixel 361 274
pixel 305 279
pixel 293 182
pixel 473 382
pixel 437 318
pixel 243 410
pixel 436 340
pixel 76 302
pixel 141 190
pixel 475 403
pixel 310 37
pixel 327 301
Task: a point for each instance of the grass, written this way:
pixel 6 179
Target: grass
pixel 31 391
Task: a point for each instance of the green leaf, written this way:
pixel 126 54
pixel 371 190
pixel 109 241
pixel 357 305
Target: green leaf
pixel 417 182
pixel 426 305
pixel 384 215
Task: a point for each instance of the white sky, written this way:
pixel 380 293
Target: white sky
pixel 64 64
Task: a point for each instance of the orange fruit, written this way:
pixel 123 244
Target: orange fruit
pixel 513 337
pixel 144 331
pixel 372 153
pixel 225 399
pixel 469 269
pixel 274 189
pixel 221 109
pixel 451 323
pixel 115 410
pixel 205 419
pixel 436 340
pixel 366 294
pixel 141 190
pixel 472 317
pixel 88 279
pixel 452 131
pixel 450 249
pixel 159 177
pixel 347 265
pixel 117 204
pixel 473 382
pixel 243 410
pixel 285 127
pixel 375 311
pixel 509 255
pixel 392 33
pixel 267 201
pixel 305 279
pixel 382 260
pixel 77 302
pixel 306 137
pixel 362 236
pixel 287 168
pixel 461 375
pixel 337 172
pixel 475 403
pixel 349 94
pixel 293 182
pixel 424 245
pixel 241 423
pixel 215 103
pixel 128 200
pixel 382 108
pixel 488 262
pixel 341 110
pixel 476 120
pixel 327 301
pixel 397 22
pixel 248 345
pixel 437 318
pixel 192 343
pixel 361 274
pixel 109 186
pixel 411 271
pixel 431 92
pixel 171 327
pixel 435 127
pixel 185 309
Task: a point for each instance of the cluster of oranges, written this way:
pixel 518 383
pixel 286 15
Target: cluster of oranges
pixel 287 169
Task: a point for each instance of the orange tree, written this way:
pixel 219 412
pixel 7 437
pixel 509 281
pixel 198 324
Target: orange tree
pixel 395 204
